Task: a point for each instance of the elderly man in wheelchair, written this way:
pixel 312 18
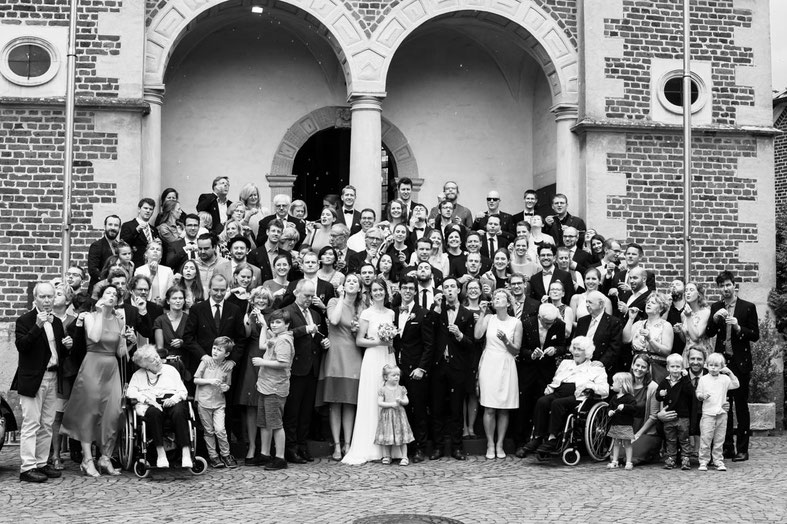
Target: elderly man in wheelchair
pixel 159 396
pixel 575 380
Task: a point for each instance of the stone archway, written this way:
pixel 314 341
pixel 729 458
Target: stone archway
pixel 280 179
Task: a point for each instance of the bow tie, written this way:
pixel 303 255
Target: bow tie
pixel 450 308
pixel 404 309
pixel 348 211
pixel 418 229
pixel 547 273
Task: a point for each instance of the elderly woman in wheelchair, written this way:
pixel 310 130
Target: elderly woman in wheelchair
pixel 161 396
pixel 575 380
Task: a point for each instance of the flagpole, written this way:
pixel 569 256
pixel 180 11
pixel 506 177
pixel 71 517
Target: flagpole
pixel 686 142
pixel 68 155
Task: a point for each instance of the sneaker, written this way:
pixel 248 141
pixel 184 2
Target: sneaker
pixel 685 465
pixel 613 465
pixel 404 462
pixel 720 466
pixel 276 463
pixel 229 461
pixel 703 467
pixel 669 464
pixel 214 462
pixel 629 466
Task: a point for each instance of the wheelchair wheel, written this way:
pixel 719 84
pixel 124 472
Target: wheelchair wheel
pixel 200 466
pixel 570 457
pixel 141 470
pixel 126 441
pixel 596 427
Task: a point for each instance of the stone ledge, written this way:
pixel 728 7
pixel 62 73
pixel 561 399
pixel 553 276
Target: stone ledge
pixel 586 124
pixel 133 105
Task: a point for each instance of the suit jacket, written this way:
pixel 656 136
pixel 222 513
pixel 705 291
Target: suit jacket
pixel 165 278
pixel 506 223
pixel 542 369
pixel 355 261
pixel 461 354
pixel 437 275
pixel 583 259
pixel 529 309
pixel 503 239
pixel 201 331
pixel 355 226
pixel 519 217
pixel 210 202
pixel 746 313
pixel 324 290
pixel 537 284
pixel 175 254
pixel 259 258
pixel 137 240
pixel 556 229
pixel 262 232
pixel 142 324
pixel 308 351
pixel 639 302
pixel 608 339
pixel 224 268
pixel 34 352
pixel 97 255
pixel 620 276
pixel 414 345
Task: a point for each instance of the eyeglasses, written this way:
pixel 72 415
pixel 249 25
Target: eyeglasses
pixel 377 239
pixel 492 199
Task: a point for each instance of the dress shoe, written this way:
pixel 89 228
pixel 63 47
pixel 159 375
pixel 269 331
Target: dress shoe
pixel 276 463
pixel 33 475
pixel 532 445
pixel 728 452
pixel 458 454
pixel 51 472
pixel 294 458
pixel 520 452
pixel 306 455
pixel 437 454
pixel 550 446
pixel 418 456
pixel 259 460
pixel 215 462
pixel 740 457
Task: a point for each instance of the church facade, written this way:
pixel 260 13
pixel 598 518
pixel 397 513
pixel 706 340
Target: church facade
pixel 569 96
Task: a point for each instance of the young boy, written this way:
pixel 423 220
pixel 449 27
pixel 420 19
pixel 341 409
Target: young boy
pixel 712 391
pixel 273 385
pixel 212 382
pixel 677 393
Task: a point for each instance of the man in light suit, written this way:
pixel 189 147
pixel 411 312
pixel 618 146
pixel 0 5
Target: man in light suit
pixel 348 215
pixel 42 345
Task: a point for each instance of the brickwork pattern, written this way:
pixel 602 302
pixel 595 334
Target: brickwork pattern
pixel 653 203
pixel 31 186
pixel 655 29
pixel 780 160
pixel 91 45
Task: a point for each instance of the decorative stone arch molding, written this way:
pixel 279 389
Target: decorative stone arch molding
pixel 281 177
pixel 543 37
pixel 173 21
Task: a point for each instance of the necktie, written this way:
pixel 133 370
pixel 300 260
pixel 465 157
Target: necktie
pixel 148 234
pixel 491 246
pixel 694 381
pixel 217 316
pixel 728 340
pixel 593 326
pixel 424 302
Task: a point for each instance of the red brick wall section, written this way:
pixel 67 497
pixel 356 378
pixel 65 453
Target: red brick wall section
pixel 653 204
pixel 780 160
pixel 31 186
pixel 90 44
pixel 655 29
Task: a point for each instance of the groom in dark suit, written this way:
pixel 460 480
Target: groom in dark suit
pixel 605 330
pixel 42 345
pixel 413 347
pixel 454 356
pixel 540 282
pixel 309 334
pixel 348 215
pixel 735 325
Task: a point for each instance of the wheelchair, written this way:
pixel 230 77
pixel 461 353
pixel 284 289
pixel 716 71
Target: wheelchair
pixel 134 445
pixel 586 427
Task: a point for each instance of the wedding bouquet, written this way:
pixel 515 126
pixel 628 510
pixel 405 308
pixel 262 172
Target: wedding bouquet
pixel 386 332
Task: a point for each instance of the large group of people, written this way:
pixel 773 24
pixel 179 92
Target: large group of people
pixel 379 334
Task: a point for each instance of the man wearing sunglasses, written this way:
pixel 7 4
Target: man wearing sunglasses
pixel 493 210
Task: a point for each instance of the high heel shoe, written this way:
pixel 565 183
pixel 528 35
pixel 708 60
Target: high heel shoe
pixel 88 468
pixel 105 466
pixel 337 453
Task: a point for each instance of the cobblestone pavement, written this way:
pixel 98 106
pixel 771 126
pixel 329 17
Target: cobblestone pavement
pixel 475 491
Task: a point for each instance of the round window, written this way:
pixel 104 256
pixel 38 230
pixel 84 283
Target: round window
pixel 29 61
pixel 670 92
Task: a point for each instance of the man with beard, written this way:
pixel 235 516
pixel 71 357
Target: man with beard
pixel 461 215
pixel 239 250
pixel 208 258
pixel 102 249
pixel 580 259
pixel 540 282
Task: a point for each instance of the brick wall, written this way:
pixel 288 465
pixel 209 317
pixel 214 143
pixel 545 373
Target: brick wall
pixel 780 158
pixel 653 203
pixel 655 29
pixel 31 186
pixel 91 45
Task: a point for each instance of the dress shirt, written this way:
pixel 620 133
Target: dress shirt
pixel 546 278
pixel 404 314
pixel 594 322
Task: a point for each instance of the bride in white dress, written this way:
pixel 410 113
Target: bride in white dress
pixel 377 354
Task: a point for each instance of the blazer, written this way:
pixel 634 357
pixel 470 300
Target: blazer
pixel 165 278
pixel 224 268
pixel 175 254
pixel 503 239
pixel 608 339
pixel 542 369
pixel 639 302
pixel 461 354
pixel 620 276
pixel 415 344
pixel 355 226
pixel 746 313
pixel 529 309
pixel 210 202
pixel 97 255
pixel 583 259
pixel 259 258
pixel 506 223
pixel 537 284
pixel 324 290
pixel 137 240
pixel 308 351
pixel 201 331
pixel 142 324
pixel 262 231
pixel 34 352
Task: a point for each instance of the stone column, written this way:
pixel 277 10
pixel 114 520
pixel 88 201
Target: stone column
pixel 365 157
pixel 280 185
pixel 568 178
pixel 150 185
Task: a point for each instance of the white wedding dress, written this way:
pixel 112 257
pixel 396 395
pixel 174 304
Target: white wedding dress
pixel 363 449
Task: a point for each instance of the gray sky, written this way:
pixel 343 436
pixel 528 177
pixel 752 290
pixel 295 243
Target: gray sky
pixel 779 44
